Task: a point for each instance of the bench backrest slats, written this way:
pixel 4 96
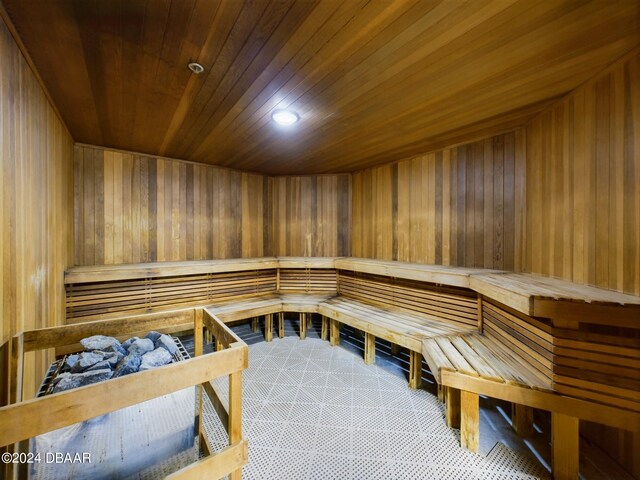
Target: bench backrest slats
pixel 92 300
pixel 302 280
pixel 450 304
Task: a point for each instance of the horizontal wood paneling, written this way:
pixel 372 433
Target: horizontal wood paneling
pixel 454 305
pixel 583 184
pixel 373 81
pixel 310 216
pixel 36 228
pixel 307 280
pixel 130 208
pixel 459 206
pixel 583 200
pixel 99 300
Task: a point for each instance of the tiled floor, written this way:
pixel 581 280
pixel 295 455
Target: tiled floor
pixel 318 412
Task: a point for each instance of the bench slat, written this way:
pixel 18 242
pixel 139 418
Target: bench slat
pixel 476 360
pixel 458 361
pixel 520 369
pixel 435 358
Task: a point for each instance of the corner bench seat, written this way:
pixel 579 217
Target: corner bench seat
pixel 478 355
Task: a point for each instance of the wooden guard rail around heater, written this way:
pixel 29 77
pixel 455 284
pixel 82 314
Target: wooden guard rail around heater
pixel 27 418
pixel 538 342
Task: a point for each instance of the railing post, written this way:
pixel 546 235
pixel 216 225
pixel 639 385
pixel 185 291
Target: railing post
pixel 235 413
pixel 197 351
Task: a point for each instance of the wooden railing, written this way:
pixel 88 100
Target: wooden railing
pixel 24 419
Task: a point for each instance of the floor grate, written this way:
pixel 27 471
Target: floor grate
pixel 311 411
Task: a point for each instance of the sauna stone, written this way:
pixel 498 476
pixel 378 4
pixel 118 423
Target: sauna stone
pixel 99 366
pixel 69 362
pixel 98 342
pixel 166 342
pixel 75 380
pixel 113 359
pixel 141 346
pixel 115 348
pixel 129 364
pixel 127 343
pixel 153 336
pixel 156 358
pixel 86 360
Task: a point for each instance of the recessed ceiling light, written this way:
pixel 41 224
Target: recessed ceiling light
pixel 196 68
pixel 285 117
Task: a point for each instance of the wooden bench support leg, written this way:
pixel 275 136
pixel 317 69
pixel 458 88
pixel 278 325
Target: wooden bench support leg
pixel 565 453
pixel 255 325
pixel 395 349
pixel 452 406
pixel 334 334
pixel 469 420
pixel 324 334
pixel 281 325
pixel 268 327
pixel 441 389
pixel 522 420
pixel 369 349
pixel 303 326
pixel 415 369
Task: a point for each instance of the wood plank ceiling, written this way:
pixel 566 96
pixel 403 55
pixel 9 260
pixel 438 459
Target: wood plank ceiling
pixel 373 81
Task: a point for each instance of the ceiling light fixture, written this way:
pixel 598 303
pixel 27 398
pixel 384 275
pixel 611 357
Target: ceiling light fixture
pixel 285 117
pixel 196 68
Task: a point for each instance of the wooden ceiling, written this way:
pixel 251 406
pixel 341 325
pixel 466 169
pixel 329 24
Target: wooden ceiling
pixel 373 81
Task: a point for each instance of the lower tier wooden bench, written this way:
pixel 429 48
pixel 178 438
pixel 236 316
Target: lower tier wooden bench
pixel 474 364
pixel 478 356
pixel 408 330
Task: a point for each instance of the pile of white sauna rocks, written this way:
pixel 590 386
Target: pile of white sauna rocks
pixel 105 357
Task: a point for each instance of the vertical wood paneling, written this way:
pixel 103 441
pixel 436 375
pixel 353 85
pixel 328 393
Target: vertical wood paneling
pixel 131 208
pixel 310 215
pixel 460 206
pixel 36 217
pixel 583 199
pixel 583 184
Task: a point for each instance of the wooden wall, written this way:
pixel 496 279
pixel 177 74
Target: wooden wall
pixel 36 160
pixel 583 200
pixel 458 206
pixel 583 184
pixel 310 215
pixel 132 208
